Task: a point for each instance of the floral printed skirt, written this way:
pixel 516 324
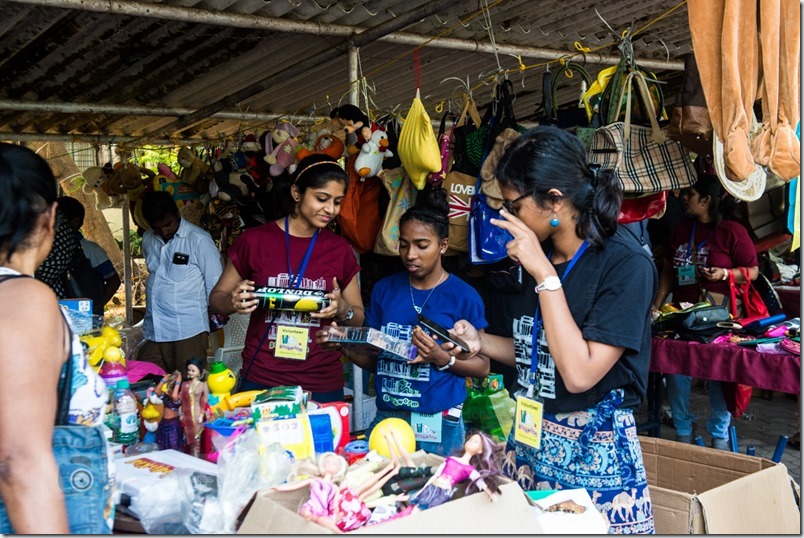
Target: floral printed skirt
pixel 596 449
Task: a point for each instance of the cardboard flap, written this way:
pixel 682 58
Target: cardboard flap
pixel 733 508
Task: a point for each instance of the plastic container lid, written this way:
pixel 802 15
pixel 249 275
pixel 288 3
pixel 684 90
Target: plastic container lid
pixel 123 384
pixel 217 367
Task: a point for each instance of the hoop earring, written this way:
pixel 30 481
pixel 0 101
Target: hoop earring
pixel 554 222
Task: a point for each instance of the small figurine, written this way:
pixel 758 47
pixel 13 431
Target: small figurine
pixel 169 434
pixel 194 395
pixel 221 380
pixel 340 509
pixel 479 463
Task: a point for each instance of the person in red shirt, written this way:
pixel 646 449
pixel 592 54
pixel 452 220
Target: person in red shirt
pixel 297 250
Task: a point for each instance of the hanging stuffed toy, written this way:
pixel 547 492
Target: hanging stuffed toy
pixel 353 125
pixel 325 144
pixel 372 153
pixel 281 149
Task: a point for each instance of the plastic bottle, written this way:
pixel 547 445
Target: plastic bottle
pixel 125 406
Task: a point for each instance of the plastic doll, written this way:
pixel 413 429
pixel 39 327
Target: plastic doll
pixel 169 434
pixel 340 509
pixel 479 463
pixel 194 394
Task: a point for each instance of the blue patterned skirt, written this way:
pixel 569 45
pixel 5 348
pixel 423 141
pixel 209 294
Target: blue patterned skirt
pixel 596 449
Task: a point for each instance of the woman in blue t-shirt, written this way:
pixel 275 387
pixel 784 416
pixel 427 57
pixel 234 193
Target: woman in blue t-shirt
pixel 429 391
pixel 581 329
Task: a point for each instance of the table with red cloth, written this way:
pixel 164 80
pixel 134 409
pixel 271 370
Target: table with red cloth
pixel 727 362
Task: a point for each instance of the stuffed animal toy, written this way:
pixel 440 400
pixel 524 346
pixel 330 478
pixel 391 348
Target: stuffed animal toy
pixel 326 144
pixel 372 153
pixel 164 170
pixel 94 180
pixel 229 182
pixel 192 211
pixel 282 152
pixel 193 169
pixel 354 124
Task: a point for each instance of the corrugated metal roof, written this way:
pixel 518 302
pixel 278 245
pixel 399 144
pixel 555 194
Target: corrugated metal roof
pixel 79 56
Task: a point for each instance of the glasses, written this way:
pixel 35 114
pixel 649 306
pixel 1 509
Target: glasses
pixel 509 206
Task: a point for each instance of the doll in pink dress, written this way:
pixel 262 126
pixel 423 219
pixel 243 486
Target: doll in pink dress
pixel 479 462
pixel 340 509
pixel 169 434
pixel 194 393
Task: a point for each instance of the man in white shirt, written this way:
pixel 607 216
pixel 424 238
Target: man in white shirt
pixel 184 265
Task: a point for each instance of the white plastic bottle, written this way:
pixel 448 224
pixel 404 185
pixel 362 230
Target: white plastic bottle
pixel 125 405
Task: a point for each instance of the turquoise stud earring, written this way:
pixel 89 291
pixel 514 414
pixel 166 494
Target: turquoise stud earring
pixel 554 221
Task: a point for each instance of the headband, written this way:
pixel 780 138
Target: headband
pixel 314 164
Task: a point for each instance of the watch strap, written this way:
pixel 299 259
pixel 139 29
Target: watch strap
pixel 551 283
pixel 448 365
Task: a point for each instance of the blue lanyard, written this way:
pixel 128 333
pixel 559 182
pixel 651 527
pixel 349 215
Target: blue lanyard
pixel 296 279
pixel 537 318
pixel 692 239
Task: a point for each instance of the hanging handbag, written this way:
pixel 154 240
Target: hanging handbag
pixel 491 185
pixel 498 117
pixel 737 397
pixel 640 208
pixel 690 123
pixel 486 241
pixel 467 124
pixel 573 116
pixel 444 143
pixel 642 158
pixel 460 191
pixel 403 195
pixel 746 302
pixel 614 93
pixel 359 217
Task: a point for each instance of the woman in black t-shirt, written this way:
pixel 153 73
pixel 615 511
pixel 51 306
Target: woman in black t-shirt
pixel 587 292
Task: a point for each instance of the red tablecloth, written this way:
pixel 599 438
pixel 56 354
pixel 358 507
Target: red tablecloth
pixel 727 362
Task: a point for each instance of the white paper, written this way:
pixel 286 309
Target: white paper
pixel 590 522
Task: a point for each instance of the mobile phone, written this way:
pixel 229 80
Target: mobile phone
pixel 439 331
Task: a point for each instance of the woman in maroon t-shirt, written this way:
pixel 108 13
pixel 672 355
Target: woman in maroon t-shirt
pixel 295 251
pixel 701 252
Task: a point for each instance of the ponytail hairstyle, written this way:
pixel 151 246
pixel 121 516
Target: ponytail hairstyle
pixel 547 157
pixel 313 172
pixel 431 209
pixel 28 189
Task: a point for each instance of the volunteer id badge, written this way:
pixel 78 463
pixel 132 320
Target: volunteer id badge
pixel 528 424
pixel 291 342
pixel 686 275
pixel 426 426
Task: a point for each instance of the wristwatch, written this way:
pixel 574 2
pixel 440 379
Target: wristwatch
pixel 448 365
pixel 551 283
pixel 349 315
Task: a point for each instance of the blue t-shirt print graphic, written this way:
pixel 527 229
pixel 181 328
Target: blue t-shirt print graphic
pixel 400 381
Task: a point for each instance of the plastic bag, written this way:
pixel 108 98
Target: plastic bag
pixel 239 475
pixel 489 407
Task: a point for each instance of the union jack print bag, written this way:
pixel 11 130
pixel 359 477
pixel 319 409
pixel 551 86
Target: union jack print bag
pixel 460 190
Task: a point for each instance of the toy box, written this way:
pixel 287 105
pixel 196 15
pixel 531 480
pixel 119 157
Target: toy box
pixel 698 490
pixel 79 312
pixel 275 512
pixel 280 402
pixel 372 340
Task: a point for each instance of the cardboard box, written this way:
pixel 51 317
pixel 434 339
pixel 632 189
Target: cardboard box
pixel 698 490
pixel 274 512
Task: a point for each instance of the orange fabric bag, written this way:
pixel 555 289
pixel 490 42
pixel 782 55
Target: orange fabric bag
pixel 360 213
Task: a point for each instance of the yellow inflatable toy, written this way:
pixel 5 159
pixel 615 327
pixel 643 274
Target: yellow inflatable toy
pixel 402 431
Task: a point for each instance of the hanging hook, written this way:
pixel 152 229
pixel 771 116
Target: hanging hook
pixel 442 23
pixel 342 9
pixel 367 10
pixel 504 29
pixel 615 34
pixel 521 29
pixel 295 5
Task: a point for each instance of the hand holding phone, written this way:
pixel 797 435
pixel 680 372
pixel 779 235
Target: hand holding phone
pixel 437 330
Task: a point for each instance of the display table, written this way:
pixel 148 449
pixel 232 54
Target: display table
pixel 727 362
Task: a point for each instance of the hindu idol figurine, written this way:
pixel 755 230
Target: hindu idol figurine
pixel 194 395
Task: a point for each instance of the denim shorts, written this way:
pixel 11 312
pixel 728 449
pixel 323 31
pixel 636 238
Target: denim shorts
pixel 83 477
pixel 453 432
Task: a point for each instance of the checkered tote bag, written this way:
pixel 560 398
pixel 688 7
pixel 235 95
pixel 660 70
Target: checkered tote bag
pixel 643 158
